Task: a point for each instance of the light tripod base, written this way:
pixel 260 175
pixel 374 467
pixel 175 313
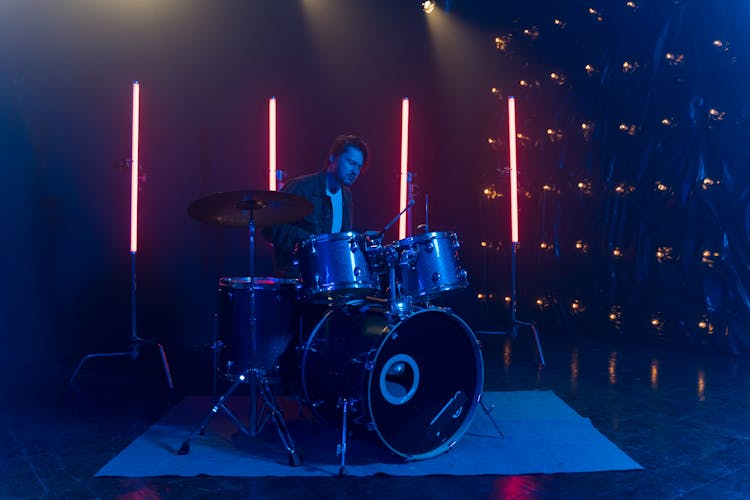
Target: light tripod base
pixel 513 332
pixel 133 354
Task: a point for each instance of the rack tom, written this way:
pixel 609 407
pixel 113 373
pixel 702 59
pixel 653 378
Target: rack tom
pixel 334 266
pixel 428 265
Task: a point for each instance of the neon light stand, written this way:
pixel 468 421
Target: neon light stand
pixel 135 341
pixel 515 322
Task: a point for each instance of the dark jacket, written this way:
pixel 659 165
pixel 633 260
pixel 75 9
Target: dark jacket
pixel 286 236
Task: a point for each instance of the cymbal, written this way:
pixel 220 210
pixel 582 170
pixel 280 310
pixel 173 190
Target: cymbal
pixel 234 208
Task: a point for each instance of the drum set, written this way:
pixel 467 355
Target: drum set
pixel 381 357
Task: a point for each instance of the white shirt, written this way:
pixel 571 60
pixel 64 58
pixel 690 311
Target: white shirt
pixel 338 209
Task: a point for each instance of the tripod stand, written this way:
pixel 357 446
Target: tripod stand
pixel 515 323
pixel 239 209
pixel 136 343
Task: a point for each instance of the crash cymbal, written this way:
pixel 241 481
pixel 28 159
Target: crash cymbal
pixel 234 208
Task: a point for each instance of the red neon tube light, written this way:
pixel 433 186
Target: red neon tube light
pixel 134 170
pixel 272 144
pixel 513 169
pixel 404 166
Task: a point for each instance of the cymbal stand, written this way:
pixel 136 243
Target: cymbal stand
pixel 254 376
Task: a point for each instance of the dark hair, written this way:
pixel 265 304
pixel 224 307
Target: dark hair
pixel 344 141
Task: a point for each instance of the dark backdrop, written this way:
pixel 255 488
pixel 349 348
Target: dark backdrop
pixel 633 126
pixel 206 70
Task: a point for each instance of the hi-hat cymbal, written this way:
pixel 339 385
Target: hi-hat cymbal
pixel 234 208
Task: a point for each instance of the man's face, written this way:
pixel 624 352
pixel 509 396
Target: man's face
pixel 347 165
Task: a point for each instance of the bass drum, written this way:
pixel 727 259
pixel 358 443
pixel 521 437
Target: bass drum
pixel 416 383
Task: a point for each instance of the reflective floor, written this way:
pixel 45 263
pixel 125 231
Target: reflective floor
pixel 685 417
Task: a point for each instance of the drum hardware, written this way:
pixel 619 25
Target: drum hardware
pixel 341 448
pixel 487 411
pixel 248 209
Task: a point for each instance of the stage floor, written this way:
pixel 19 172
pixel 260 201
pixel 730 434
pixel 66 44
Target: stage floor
pixel 683 416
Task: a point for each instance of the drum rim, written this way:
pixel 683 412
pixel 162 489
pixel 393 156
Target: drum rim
pixel 426 236
pixel 343 235
pixel 453 439
pixel 243 282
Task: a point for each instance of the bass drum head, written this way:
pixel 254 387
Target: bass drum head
pixel 418 381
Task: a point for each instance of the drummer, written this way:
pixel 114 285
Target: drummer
pixel 329 192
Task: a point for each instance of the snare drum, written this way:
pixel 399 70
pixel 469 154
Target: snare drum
pixel 428 265
pixel 277 323
pixel 334 265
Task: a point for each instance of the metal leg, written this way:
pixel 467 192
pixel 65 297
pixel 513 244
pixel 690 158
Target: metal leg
pixel 218 405
pixel 133 354
pixel 278 419
pixel 538 344
pixel 258 380
pixel 342 446
pixel 492 419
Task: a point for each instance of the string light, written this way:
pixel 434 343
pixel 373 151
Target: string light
pixel 555 135
pixel 631 5
pixel 708 183
pixel 674 59
pixel 557 78
pixel 502 42
pixel 720 44
pixel 615 316
pixel 628 129
pixel 577 307
pixel 706 325
pixel 590 70
pixel 546 246
pixel 491 193
pixel 529 84
pixel 532 33
pixel 582 246
pixel 584 186
pixel 617 252
pixel 624 189
pixel 668 122
pixel 657 323
pixel 664 254
pixel 543 303
pixel 560 23
pixel 715 114
pixel 629 67
pixel 596 14
pixel 708 258
pixel 587 128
